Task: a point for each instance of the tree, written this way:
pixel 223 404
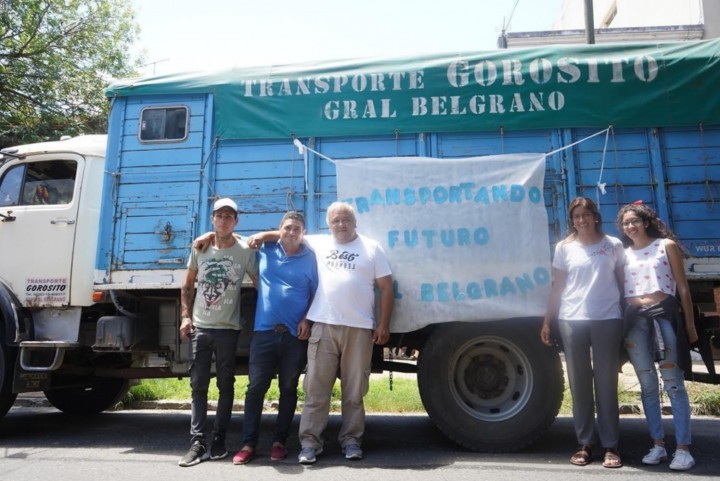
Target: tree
pixel 56 57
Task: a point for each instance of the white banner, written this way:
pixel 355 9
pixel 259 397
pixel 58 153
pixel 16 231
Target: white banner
pixel 467 238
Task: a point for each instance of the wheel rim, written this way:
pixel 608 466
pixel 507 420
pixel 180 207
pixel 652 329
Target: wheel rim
pixel 491 379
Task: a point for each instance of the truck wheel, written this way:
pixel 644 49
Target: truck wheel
pixel 490 386
pixel 7 362
pixel 101 394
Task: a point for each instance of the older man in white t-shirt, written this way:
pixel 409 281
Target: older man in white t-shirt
pixel 343 330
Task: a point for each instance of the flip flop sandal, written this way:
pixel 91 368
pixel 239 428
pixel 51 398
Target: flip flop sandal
pixel 582 456
pixel 612 459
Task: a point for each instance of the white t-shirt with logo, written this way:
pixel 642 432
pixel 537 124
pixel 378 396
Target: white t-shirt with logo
pixel 346 274
pixel 591 289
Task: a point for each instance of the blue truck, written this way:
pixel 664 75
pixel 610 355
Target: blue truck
pixel 96 231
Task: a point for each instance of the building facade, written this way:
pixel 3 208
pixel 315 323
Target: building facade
pixel 627 21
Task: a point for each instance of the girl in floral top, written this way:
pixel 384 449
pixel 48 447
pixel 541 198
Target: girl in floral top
pixel 660 327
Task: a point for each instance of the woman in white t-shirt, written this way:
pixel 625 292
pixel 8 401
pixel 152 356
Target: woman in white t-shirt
pixel 585 301
pixel 661 329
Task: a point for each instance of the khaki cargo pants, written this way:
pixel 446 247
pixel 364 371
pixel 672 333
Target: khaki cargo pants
pixel 335 351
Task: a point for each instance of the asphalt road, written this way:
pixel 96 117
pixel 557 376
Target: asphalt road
pixel 40 443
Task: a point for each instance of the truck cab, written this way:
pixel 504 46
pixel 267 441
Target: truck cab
pixel 50 197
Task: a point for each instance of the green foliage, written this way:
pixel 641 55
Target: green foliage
pixel 403 398
pixel 56 57
pixel 158 389
pixel 704 399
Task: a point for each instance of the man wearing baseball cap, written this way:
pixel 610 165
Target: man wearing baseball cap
pixel 211 321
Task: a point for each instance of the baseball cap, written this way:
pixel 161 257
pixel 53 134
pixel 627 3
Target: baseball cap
pixel 225 202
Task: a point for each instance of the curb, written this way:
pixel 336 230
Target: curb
pixel 630 409
pixel 35 400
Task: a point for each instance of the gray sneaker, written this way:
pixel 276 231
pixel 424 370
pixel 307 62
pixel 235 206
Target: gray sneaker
pixel 353 451
pixel 308 455
pixel 197 454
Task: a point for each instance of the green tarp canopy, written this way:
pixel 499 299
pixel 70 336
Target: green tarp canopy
pixel 624 85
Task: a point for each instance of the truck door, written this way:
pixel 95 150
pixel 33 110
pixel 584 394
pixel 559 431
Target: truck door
pixel 39 199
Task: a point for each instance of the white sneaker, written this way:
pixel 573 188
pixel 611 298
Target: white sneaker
pixel 656 455
pixel 682 460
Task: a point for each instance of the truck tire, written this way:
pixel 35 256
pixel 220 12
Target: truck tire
pixel 7 362
pixel 101 394
pixel 490 387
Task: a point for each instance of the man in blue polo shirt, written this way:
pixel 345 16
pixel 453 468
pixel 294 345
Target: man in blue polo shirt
pixel 288 280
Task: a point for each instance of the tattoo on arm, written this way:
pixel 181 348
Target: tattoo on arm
pixel 187 297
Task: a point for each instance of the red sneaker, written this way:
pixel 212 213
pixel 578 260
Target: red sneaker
pixel 278 452
pixel 243 457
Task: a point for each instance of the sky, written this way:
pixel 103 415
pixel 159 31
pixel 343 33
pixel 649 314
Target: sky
pixel 187 35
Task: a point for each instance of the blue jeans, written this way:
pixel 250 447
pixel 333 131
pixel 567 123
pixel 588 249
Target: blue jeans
pixel 639 348
pixel 270 353
pixel 203 343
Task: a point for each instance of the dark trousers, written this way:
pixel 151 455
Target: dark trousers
pixel 204 343
pixel 270 353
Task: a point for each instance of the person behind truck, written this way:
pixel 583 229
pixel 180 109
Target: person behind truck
pixel 661 329
pixel 288 280
pixel 211 321
pixel 585 302
pixel 344 329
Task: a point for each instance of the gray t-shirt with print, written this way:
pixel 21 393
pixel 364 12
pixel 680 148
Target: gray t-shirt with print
pixel 220 274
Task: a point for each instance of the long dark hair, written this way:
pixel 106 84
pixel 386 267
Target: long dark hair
pixel 589 205
pixel 654 225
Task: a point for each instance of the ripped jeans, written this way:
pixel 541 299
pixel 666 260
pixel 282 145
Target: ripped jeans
pixel 640 350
